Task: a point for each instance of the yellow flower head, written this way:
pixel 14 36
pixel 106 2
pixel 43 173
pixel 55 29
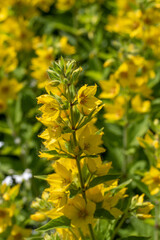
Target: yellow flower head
pixel 152 179
pixel 5 217
pixel 96 167
pixel 50 108
pixel 115 111
pixel 142 208
pixel 65 5
pixel 66 48
pixel 19 233
pixel 110 202
pixel 110 89
pixel 90 142
pixel 80 212
pixel 86 99
pixel 140 106
pixel 9 88
pixel 96 193
pixel 149 140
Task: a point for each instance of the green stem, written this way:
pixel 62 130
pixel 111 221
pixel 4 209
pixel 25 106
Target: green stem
pixel 118 226
pixel 156 233
pixel 91 231
pixel 78 160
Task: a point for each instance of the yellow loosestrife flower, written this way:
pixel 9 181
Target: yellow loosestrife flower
pixel 50 108
pixel 5 217
pixel 110 89
pixel 140 106
pixel 96 167
pixel 19 233
pixel 90 142
pixel 110 202
pixel 80 212
pixel 66 48
pixel 86 99
pixel 152 179
pixel 64 5
pixel 142 208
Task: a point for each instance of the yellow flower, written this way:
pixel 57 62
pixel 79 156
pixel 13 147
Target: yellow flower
pixel 108 62
pixel 45 55
pixel 116 110
pixel 110 89
pixel 80 212
pixel 110 202
pixel 142 208
pixel 6 217
pixel 67 234
pixel 96 167
pixel 66 48
pixel 38 216
pixel 96 193
pixel 19 233
pixel 3 106
pixel 149 140
pixel 152 179
pixel 86 99
pixel 61 178
pixel 90 142
pixel 11 193
pixel 50 108
pixel 64 5
pixel 9 88
pixel 140 106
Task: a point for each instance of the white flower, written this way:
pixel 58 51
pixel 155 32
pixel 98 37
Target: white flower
pixel 27 175
pixel 8 180
pixel 23 177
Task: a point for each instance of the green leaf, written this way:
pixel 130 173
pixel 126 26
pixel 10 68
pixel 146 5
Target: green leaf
pixel 137 130
pixel 102 179
pixel 58 222
pixel 135 238
pixel 95 75
pixel 42 177
pixel 34 238
pixel 103 214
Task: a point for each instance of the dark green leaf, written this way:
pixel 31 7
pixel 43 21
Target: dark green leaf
pixel 103 214
pixel 102 179
pixel 58 222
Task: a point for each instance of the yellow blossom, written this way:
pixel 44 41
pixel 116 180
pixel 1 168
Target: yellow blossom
pixel 152 179
pixel 96 193
pixel 110 202
pixel 115 111
pixel 9 88
pixel 110 89
pixel 86 99
pixel 66 48
pixel 50 108
pixel 80 212
pixel 38 216
pixel 140 106
pixel 5 217
pixel 96 167
pixel 149 140
pixel 90 142
pixel 142 208
pixel 19 233
pixel 64 5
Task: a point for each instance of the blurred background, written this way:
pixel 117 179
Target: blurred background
pixel 117 43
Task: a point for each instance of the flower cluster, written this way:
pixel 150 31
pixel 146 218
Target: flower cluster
pixel 10 207
pixel 81 190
